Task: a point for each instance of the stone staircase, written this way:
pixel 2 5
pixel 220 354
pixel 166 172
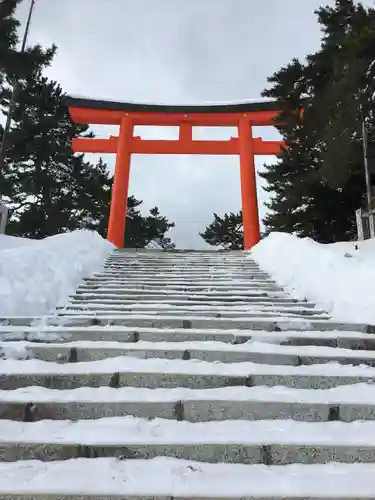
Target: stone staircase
pixel 186 375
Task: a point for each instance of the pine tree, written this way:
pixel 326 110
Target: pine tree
pixel 48 189
pixel 14 64
pixel 141 230
pixel 318 182
pixel 225 232
pixel 350 96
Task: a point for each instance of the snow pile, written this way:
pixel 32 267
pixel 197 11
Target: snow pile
pixel 339 278
pixel 37 276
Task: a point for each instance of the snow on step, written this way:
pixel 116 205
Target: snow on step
pixel 127 364
pixel 182 282
pixel 82 308
pixel 242 440
pixel 212 292
pixel 344 403
pixel 252 346
pixel 355 394
pixel 155 372
pixel 93 299
pixel 119 276
pixel 272 323
pixel 354 340
pixel 117 301
pixel 167 477
pixel 197 287
pixel 41 327
pixel 179 282
pixel 265 441
pixel 131 430
pixel 203 299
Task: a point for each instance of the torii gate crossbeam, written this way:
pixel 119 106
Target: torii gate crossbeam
pixel 128 115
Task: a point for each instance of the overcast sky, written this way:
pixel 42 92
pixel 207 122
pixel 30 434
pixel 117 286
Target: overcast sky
pixel 176 51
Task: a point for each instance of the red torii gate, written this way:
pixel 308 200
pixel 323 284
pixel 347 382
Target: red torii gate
pixel 128 115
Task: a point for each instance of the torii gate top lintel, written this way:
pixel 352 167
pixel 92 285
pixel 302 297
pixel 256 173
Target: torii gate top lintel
pixel 127 115
pixel 95 111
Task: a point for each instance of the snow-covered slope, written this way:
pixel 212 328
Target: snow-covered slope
pixel 339 278
pixel 37 276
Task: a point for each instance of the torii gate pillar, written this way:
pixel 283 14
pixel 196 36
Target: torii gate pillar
pixel 128 115
pixel 250 213
pixel 120 189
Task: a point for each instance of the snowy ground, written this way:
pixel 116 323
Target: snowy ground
pixel 38 276
pixel 339 278
pixel 182 478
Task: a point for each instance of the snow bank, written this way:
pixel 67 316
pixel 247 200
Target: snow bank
pixel 339 277
pixel 13 242
pixel 37 276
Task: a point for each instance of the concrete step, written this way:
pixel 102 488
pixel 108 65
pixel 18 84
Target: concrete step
pixel 246 287
pixel 175 281
pixel 72 310
pixel 172 323
pixel 178 270
pixel 184 260
pixel 84 308
pixel 273 323
pixel 255 292
pixel 256 352
pixel 123 285
pixel 193 264
pixel 343 403
pixel 355 340
pixel 215 270
pixel 242 442
pixel 179 254
pixel 187 274
pixel 192 306
pixel 166 373
pixel 93 301
pixel 128 274
pixel 216 256
pixel 216 267
pixel 198 298
pixel 230 264
pixel 167 478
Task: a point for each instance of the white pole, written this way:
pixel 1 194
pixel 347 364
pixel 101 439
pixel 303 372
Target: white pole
pixel 368 180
